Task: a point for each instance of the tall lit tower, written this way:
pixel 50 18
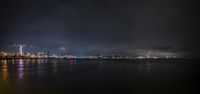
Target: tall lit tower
pixel 20 49
pixel 147 55
pixel 46 52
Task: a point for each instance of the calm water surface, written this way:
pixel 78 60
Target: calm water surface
pixel 72 76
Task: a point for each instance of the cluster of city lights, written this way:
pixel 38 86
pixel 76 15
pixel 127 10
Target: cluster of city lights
pixel 46 54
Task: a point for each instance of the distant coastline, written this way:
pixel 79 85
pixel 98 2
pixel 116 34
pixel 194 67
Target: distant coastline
pixel 8 58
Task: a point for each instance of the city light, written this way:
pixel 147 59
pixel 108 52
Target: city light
pixel 46 54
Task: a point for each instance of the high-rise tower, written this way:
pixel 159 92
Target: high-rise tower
pixel 20 49
pixel 46 52
pixel 147 55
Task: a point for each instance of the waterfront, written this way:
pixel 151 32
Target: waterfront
pixel 69 76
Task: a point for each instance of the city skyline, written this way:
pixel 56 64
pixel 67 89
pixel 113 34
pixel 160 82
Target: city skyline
pixel 99 46
pixel 46 53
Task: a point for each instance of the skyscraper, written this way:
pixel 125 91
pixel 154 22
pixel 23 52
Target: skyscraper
pixel 46 53
pixel 147 55
pixel 20 49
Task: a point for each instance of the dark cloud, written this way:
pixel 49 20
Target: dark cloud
pixel 163 48
pixel 101 26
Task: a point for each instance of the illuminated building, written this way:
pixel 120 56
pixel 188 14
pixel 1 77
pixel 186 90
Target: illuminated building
pixel 46 52
pixel 41 54
pixel 147 55
pixel 20 49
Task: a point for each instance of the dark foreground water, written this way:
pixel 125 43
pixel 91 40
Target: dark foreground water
pixel 68 76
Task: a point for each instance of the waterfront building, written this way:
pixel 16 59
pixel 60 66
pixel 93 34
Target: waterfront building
pixel 21 49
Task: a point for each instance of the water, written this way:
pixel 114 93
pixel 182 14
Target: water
pixel 72 76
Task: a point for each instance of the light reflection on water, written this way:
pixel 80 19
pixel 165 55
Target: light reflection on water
pixel 26 67
pixel 4 69
pixel 21 69
pixel 63 75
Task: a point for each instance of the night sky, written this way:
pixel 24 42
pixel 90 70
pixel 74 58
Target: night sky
pixel 90 27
